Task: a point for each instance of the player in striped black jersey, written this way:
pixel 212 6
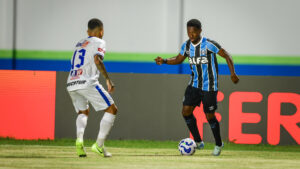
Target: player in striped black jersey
pixel 203 86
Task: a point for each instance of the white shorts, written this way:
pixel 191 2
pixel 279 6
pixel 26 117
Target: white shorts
pixel 96 95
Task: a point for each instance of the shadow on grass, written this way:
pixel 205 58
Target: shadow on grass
pixel 146 155
pixel 162 155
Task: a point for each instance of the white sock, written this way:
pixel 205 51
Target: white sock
pixel 81 122
pixel 105 126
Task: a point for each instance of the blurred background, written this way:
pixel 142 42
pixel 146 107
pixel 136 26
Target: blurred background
pixel 37 38
pixel 47 28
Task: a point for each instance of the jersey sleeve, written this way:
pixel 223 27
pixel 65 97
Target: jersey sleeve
pixel 182 50
pixel 213 46
pixel 100 49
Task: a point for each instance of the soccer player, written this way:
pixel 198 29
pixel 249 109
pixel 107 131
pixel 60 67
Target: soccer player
pixel 84 87
pixel 203 86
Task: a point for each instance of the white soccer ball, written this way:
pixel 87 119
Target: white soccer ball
pixel 187 146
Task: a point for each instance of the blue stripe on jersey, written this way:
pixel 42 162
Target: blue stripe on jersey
pixel 212 47
pixel 195 81
pixel 205 86
pixel 182 51
pixel 214 72
pixel 192 54
pixel 103 95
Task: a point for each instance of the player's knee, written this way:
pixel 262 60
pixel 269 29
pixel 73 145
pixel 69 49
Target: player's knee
pixel 115 109
pixel 186 111
pixel 210 116
pixel 112 109
pixel 86 112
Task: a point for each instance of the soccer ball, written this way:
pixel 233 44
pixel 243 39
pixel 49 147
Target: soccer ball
pixel 187 146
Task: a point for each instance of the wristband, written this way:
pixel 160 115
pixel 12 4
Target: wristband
pixel 165 61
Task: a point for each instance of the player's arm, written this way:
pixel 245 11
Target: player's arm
pixel 223 53
pixel 101 68
pixel 170 61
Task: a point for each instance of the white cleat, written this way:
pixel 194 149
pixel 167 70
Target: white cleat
pixel 217 150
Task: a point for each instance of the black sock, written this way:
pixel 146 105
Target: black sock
pixel 192 125
pixel 215 127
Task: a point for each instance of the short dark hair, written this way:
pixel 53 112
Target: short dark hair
pixel 194 23
pixel 94 23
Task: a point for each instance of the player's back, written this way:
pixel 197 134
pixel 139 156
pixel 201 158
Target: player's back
pixel 83 70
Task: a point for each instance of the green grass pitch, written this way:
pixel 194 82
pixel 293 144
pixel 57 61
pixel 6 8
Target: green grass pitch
pixel 143 154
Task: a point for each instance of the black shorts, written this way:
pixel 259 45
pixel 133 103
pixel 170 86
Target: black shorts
pixel 194 97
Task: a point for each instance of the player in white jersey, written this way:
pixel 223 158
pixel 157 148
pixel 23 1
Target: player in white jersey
pixel 84 87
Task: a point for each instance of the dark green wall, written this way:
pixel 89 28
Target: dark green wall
pixel 150 106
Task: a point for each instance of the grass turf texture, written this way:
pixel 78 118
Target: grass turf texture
pixel 138 154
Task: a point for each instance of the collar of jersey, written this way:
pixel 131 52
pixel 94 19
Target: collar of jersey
pixel 198 42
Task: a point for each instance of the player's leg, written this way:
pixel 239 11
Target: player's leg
pixel 191 100
pixel 210 106
pixel 81 123
pixel 215 127
pixel 191 122
pixel 101 100
pixel 106 124
pixel 82 108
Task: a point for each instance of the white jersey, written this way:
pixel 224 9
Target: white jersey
pixel 83 71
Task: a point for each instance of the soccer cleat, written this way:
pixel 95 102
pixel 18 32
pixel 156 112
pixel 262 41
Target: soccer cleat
pixel 80 148
pixel 217 150
pixel 200 145
pixel 100 150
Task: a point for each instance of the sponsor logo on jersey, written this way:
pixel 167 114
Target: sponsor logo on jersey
pixel 101 50
pixel 76 83
pixel 76 73
pixel 198 60
pixel 83 44
pixel 211 108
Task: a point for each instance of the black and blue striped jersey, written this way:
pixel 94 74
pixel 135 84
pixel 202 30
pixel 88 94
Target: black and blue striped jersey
pixel 203 63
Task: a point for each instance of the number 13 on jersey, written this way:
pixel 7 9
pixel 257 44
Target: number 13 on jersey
pixel 77 57
pixel 80 55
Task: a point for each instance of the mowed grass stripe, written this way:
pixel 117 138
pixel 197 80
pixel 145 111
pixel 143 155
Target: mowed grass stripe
pixel 149 144
pixel 41 156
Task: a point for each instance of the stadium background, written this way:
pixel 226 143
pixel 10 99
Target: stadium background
pixel 39 36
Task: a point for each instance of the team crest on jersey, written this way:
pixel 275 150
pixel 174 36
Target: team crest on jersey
pixel 203 52
pixel 76 73
pixel 187 52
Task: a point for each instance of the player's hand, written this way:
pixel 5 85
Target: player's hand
pixel 234 78
pixel 159 60
pixel 110 86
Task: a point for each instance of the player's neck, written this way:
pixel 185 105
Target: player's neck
pixel 197 41
pixel 94 36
